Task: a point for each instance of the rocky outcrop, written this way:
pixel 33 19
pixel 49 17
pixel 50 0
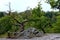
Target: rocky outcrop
pixel 29 33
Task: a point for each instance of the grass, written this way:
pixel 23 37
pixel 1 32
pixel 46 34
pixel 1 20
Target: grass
pixel 3 35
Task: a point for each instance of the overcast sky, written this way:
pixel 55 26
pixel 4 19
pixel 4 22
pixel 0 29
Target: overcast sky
pixel 22 5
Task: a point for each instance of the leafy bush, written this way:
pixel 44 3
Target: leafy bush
pixel 5 24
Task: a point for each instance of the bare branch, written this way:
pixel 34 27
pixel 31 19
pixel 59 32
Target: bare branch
pixel 9 8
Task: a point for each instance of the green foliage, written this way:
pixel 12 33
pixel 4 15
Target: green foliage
pixel 2 14
pixel 56 26
pixel 5 24
pixel 54 4
pixel 51 16
pixel 38 19
pixel 47 21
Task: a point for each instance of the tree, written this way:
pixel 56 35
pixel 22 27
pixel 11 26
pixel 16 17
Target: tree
pixel 54 4
pixel 56 26
pixel 5 24
pixel 37 18
pixel 2 14
pixel 51 15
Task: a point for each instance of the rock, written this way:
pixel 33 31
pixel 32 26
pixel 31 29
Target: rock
pixel 36 32
pixel 39 34
pixel 30 33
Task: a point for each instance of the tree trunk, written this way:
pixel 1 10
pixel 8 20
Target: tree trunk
pixel 21 27
pixel 43 30
pixel 59 10
pixel 9 36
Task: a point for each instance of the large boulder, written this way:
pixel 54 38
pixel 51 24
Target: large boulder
pixel 30 33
